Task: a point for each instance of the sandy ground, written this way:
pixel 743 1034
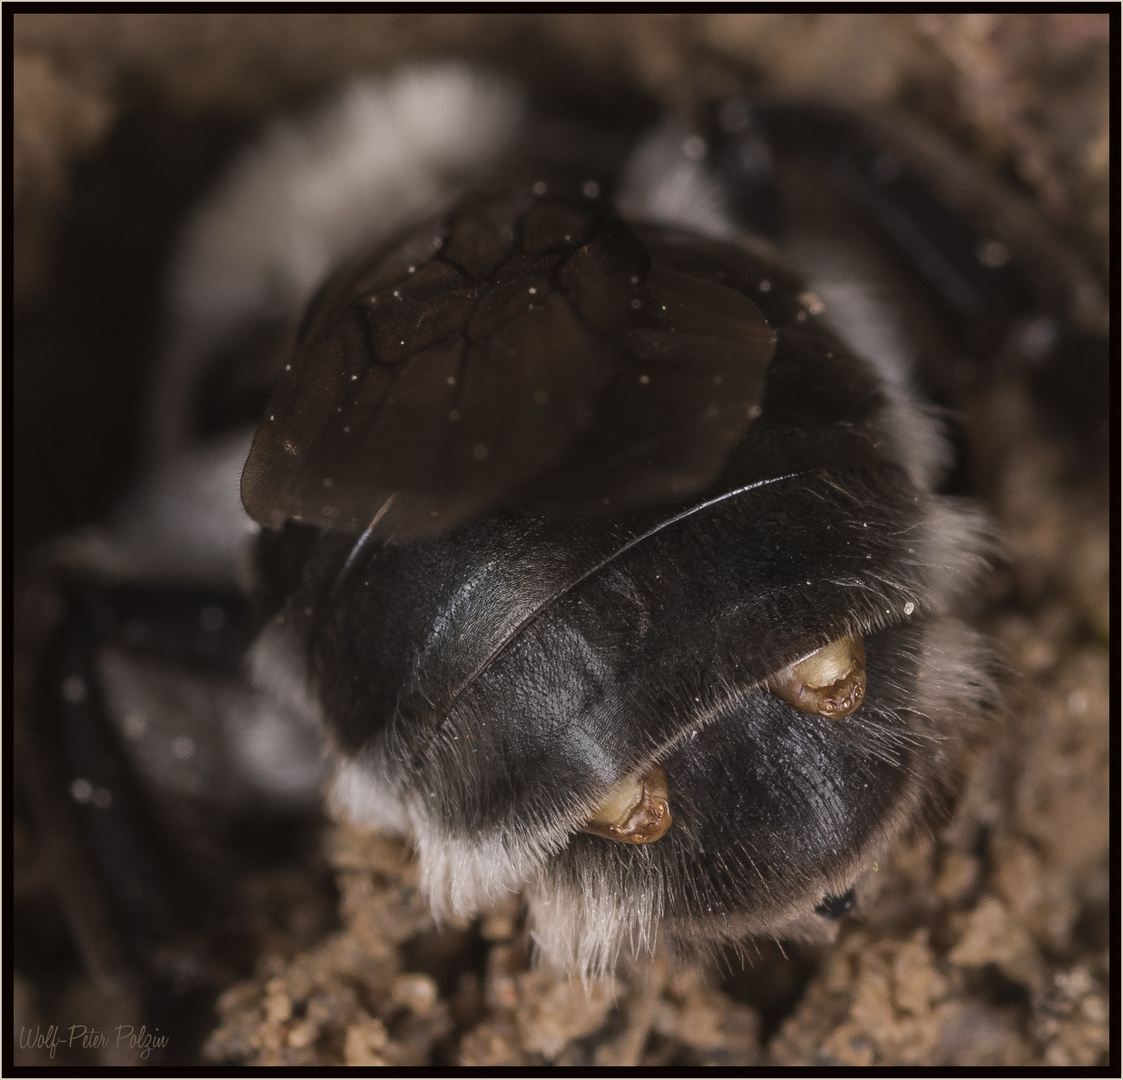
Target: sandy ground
pixel 981 940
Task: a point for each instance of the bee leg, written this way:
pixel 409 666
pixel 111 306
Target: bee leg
pixel 635 811
pixel 91 818
pixel 830 682
pixel 44 781
pixel 118 874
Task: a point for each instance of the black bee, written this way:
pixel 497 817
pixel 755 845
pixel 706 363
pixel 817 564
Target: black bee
pixel 591 531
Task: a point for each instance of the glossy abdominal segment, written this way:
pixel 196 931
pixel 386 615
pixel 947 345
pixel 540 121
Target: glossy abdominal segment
pixel 771 803
pixel 651 647
pixel 775 809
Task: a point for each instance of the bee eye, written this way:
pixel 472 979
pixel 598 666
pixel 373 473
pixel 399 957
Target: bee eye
pixel 636 810
pixel 830 682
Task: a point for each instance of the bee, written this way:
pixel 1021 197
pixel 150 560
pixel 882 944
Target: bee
pixel 589 527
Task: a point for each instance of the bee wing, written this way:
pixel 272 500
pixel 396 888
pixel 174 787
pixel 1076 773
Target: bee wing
pixel 529 352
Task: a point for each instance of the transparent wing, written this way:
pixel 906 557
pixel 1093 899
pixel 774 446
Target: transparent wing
pixel 531 351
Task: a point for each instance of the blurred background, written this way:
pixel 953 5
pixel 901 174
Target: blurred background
pixel 120 121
